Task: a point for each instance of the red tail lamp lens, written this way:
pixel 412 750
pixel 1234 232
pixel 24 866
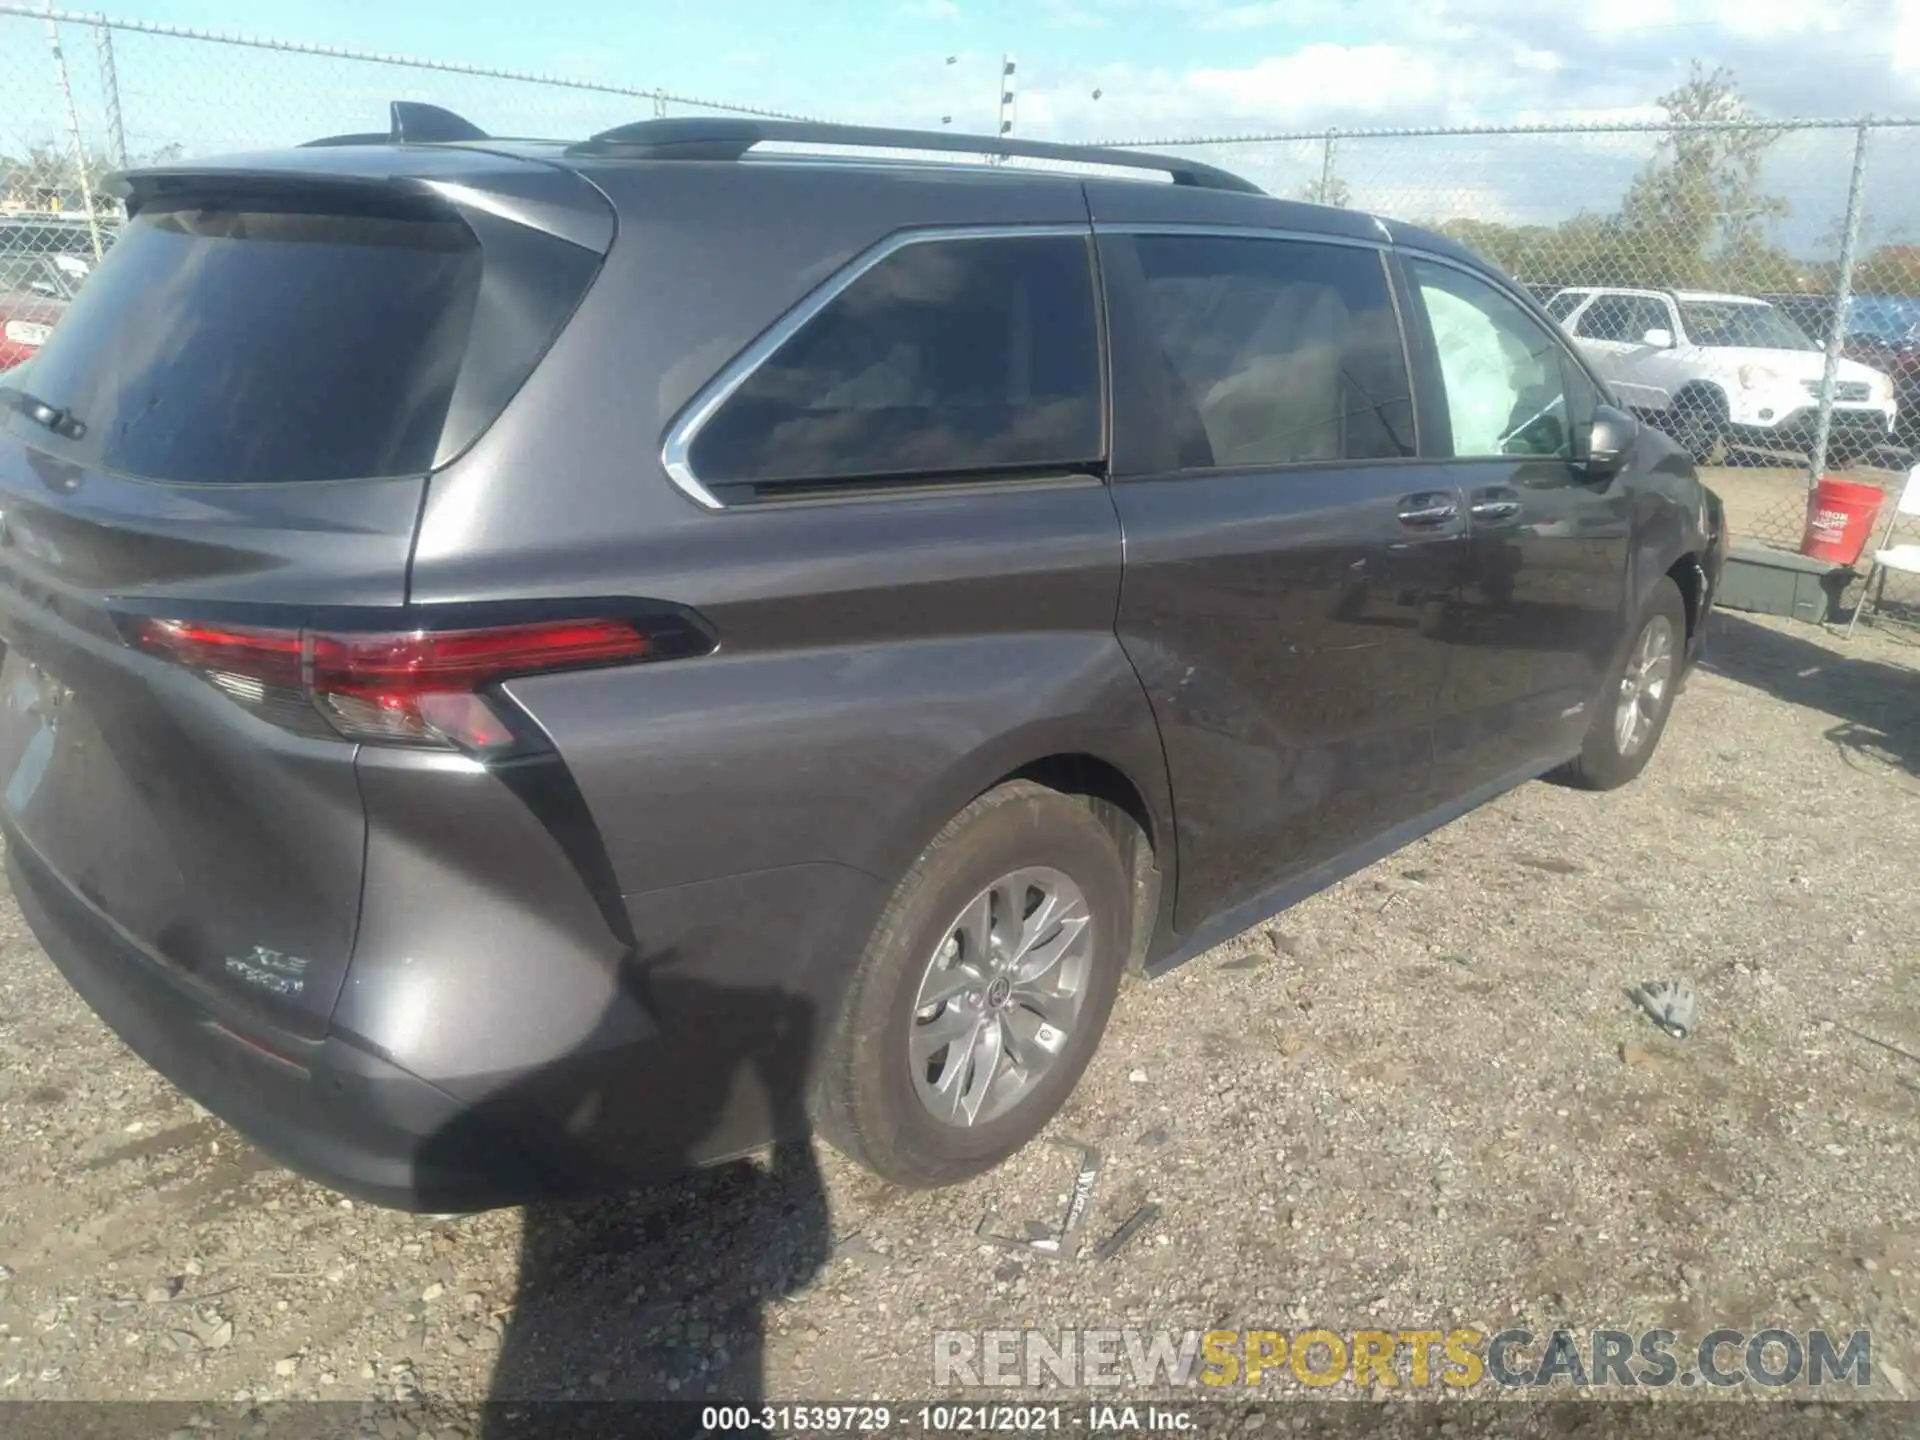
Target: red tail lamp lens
pixel 410 687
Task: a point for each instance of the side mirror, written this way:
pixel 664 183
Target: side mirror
pixel 1658 339
pixel 1609 442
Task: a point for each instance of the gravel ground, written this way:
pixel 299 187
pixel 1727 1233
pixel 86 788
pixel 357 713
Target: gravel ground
pixel 1419 1098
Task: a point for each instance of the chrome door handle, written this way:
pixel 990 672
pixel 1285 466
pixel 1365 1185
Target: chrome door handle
pixel 1426 511
pixel 1495 509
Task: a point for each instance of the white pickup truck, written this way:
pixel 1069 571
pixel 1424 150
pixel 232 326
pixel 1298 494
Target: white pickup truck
pixel 1710 369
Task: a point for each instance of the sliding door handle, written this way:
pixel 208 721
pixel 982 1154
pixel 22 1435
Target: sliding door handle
pixel 1429 510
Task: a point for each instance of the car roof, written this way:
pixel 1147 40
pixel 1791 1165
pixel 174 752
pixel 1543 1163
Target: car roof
pixel 1719 297
pixel 426 143
pixel 1716 296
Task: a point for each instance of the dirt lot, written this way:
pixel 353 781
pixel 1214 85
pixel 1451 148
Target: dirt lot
pixel 1420 1098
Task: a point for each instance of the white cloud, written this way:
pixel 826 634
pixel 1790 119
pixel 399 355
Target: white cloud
pixel 1623 17
pixel 1441 62
pixel 1765 18
pixel 1370 79
pixel 1247 17
pixel 1505 62
pixel 1314 65
pixel 1074 14
pixel 1904 43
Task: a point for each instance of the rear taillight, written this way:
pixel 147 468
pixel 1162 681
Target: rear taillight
pixel 409 687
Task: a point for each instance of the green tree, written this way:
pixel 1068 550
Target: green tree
pixel 1503 245
pixel 1586 250
pixel 1696 216
pixel 45 177
pixel 1328 189
pixel 1888 270
pixel 1700 203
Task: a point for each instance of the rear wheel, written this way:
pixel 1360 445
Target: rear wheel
pixel 983 992
pixel 1632 712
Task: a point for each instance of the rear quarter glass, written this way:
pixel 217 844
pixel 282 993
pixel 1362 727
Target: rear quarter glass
pixel 254 341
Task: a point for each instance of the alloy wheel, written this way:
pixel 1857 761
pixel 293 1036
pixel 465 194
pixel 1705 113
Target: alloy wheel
pixel 1000 996
pixel 1643 686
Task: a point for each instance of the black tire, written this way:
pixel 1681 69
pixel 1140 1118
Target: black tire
pixel 1699 424
pixel 1602 763
pixel 868 1104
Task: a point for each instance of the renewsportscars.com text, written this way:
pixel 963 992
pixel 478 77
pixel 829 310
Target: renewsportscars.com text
pixel 1459 1358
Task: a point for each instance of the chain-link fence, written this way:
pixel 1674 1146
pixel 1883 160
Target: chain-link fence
pixel 83 95
pixel 1649 242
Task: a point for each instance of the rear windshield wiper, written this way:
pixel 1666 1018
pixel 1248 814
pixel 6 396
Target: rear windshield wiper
pixel 60 422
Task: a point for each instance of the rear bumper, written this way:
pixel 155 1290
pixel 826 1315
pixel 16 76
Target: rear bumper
pixel 328 1109
pixel 701 1062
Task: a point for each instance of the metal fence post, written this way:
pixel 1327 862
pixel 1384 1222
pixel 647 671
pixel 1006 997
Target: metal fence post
pixel 73 129
pixel 110 85
pixel 1842 294
pixel 1325 197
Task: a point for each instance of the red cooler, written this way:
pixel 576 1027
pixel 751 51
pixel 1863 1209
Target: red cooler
pixel 1840 515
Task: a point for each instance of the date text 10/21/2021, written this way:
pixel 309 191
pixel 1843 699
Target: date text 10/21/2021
pixel 962 1418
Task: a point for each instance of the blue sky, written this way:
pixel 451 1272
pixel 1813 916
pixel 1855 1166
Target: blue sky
pixel 1162 66
pixel 1087 70
pixel 828 57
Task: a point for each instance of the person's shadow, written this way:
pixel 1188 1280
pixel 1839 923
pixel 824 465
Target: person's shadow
pixel 658 1291
pixel 1877 722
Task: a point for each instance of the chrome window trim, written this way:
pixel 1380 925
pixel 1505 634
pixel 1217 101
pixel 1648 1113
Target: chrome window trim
pixel 675 453
pixel 1234 232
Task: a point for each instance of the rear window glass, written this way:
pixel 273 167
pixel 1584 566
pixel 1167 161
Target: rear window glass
pixel 947 357
pixel 250 345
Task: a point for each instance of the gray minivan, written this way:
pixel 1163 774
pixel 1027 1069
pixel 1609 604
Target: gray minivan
pixel 533 665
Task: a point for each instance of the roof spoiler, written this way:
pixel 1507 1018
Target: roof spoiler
pixel 413 123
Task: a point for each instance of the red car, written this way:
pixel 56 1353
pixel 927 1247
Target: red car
pixel 34 293
pixel 1884 331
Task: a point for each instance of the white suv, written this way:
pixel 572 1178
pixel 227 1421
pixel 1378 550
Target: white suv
pixel 1712 368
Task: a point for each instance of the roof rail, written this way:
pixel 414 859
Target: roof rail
pixel 413 123
pixel 729 138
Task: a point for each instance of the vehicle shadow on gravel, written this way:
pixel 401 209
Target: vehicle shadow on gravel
pixel 659 1292
pixel 1876 705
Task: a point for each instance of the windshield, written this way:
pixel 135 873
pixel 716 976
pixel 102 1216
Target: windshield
pixel 1725 324
pixel 1884 317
